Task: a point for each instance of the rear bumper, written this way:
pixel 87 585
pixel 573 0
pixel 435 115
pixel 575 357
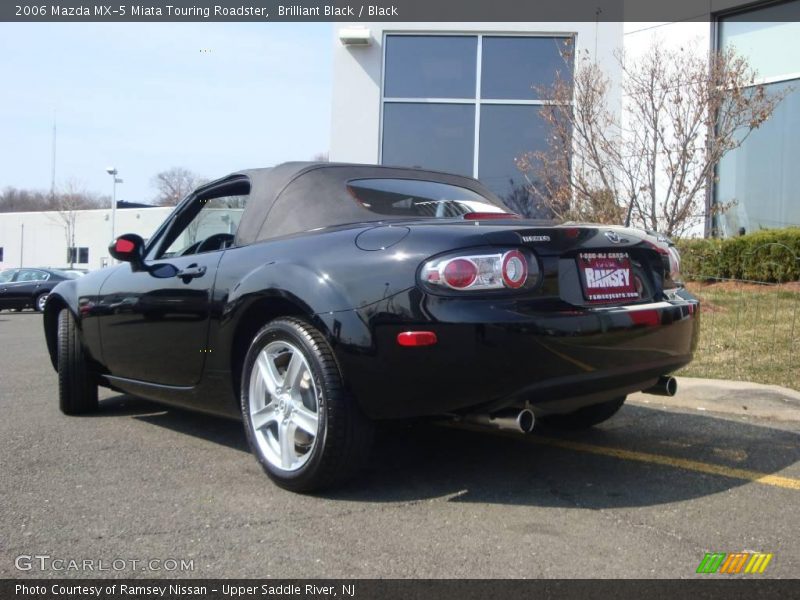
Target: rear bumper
pixel 490 356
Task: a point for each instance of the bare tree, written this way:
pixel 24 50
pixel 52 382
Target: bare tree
pixel 174 184
pixel 16 200
pixel 683 111
pixel 66 203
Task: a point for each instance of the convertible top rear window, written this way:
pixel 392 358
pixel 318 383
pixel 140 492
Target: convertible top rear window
pixel 417 198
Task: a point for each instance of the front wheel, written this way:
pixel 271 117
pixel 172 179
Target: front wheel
pixel 585 417
pixel 303 428
pixel 77 387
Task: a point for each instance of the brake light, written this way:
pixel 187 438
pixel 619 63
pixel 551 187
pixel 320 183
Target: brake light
pixel 510 269
pixel 482 216
pixel 460 273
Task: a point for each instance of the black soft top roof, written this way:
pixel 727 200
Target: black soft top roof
pixel 301 196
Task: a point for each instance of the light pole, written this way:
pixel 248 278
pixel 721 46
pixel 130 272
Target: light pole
pixel 113 172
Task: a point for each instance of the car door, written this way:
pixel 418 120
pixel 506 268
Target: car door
pixel 6 279
pixel 154 321
pixel 27 284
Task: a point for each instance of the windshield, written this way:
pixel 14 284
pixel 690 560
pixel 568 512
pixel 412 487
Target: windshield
pixel 415 198
pixel 6 275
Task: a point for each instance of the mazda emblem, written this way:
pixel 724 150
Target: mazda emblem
pixel 612 237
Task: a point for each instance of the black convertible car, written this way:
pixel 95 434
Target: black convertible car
pixel 311 300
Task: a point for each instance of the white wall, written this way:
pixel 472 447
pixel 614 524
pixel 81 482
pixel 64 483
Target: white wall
pixel 357 74
pixel 44 243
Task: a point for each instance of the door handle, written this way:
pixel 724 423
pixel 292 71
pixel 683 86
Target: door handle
pixel 190 272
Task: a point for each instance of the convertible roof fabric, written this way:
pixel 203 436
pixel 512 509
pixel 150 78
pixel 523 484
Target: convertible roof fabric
pixel 302 196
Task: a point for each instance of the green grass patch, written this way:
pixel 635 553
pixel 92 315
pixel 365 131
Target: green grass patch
pixel 748 333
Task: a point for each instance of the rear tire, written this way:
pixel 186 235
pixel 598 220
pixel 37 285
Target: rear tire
pixel 585 417
pixel 77 387
pixel 309 433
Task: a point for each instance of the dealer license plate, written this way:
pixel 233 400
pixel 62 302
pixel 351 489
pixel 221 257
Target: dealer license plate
pixel 607 276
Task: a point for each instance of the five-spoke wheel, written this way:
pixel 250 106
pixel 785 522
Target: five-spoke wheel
pixel 284 405
pixel 303 428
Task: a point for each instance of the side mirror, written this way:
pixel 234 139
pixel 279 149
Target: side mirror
pixel 129 248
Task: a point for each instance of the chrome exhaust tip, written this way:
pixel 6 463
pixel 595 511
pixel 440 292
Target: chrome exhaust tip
pixel 666 386
pixel 520 421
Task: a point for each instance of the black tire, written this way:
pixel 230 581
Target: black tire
pixel 38 302
pixel 77 387
pixel 344 434
pixel 585 417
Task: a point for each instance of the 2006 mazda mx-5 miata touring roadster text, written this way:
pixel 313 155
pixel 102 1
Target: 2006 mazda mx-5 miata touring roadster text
pixel 313 299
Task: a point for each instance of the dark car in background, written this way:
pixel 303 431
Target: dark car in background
pixel 29 288
pixel 311 300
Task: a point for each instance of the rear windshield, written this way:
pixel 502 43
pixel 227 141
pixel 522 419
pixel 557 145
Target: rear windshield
pixel 415 198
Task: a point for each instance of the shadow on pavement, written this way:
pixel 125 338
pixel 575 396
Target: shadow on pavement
pixel 424 461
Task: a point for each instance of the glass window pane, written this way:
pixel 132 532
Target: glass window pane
pixel 414 198
pixel 419 66
pixel 766 43
pixel 508 132
pixel 759 176
pixel 432 136
pixel 512 66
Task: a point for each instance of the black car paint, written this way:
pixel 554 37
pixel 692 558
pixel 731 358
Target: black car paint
pixel 180 341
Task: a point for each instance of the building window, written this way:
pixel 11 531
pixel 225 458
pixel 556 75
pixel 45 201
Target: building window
pixel 757 178
pixel 469 104
pixel 1 254
pixel 78 255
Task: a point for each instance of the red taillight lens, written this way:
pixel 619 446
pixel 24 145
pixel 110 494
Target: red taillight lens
pixel 484 216
pixel 515 269
pixel 416 338
pixel 460 273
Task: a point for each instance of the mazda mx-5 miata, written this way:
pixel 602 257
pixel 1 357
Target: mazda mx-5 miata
pixel 313 299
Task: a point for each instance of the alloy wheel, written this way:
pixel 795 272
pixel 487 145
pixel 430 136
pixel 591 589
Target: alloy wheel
pixel 283 406
pixel 40 301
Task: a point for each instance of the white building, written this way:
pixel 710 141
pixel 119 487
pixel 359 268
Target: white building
pixel 39 239
pixel 458 97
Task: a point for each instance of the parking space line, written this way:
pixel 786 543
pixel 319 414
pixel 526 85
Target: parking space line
pixel 789 483
pixel 679 463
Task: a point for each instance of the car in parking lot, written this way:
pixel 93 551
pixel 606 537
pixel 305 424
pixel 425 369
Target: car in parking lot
pixel 311 300
pixel 29 288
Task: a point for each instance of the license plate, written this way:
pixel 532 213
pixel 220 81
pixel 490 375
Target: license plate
pixel 607 276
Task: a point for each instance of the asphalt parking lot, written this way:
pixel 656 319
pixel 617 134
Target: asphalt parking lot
pixel 644 495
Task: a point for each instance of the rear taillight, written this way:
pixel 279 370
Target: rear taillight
pixel 466 271
pixel 671 260
pixel 460 273
pixel 674 264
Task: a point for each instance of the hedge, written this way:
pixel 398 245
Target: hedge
pixel 770 255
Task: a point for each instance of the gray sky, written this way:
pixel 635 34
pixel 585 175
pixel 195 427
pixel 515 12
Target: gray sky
pixel 211 97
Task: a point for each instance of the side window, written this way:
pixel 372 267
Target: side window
pixel 32 275
pixel 208 225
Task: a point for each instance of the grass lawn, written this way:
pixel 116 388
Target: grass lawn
pixel 748 332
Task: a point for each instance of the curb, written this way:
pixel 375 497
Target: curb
pixel 729 397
